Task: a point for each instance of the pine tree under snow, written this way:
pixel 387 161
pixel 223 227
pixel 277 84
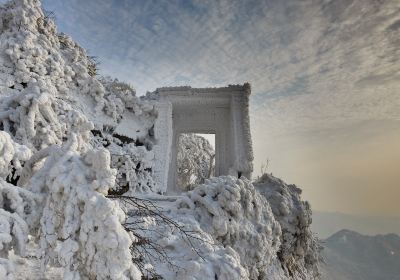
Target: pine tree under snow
pixel 61 155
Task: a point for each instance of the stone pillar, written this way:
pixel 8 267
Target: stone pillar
pixel 162 149
pixel 243 154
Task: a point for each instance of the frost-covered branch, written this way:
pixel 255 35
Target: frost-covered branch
pixel 146 248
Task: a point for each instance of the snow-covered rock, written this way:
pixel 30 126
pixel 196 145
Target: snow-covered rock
pixel 299 250
pixel 237 217
pixel 240 232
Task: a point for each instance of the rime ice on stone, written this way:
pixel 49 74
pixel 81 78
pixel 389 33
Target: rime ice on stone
pixel 223 111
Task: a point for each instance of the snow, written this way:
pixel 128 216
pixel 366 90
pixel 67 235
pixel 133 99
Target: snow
pixel 299 249
pixel 68 139
pixel 239 235
pixel 195 160
pixel 81 227
pixel 237 217
pixel 221 111
pixel 77 224
pixel 8 153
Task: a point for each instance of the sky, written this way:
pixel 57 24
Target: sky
pixel 325 77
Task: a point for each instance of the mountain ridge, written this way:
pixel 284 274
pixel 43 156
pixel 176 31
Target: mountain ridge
pixel 348 254
pixel 326 224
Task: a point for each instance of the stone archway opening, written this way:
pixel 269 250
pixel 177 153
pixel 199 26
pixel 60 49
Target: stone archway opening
pixel 220 111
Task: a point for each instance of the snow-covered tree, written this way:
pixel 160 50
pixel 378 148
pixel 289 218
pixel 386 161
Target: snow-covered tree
pixel 53 184
pixel 18 207
pixel 81 228
pixel 63 204
pixel 195 160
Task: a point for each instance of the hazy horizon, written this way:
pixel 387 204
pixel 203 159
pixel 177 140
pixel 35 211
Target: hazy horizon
pixel 324 74
pixel 325 224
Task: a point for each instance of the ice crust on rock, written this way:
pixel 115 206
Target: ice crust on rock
pixel 69 138
pixel 240 236
pixel 299 248
pixel 238 218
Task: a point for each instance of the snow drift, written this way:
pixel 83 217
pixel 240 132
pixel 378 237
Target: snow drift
pixel 65 146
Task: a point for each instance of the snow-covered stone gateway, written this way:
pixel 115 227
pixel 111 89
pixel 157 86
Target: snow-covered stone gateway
pixel 220 111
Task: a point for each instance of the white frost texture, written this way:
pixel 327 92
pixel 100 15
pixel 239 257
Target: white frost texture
pixel 238 234
pixel 77 194
pixel 196 160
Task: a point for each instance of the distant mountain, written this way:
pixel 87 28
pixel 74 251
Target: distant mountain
pixel 349 255
pixel 327 223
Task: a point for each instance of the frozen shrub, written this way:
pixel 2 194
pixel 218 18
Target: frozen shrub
pixel 18 207
pixel 6 269
pixel 82 228
pixel 195 160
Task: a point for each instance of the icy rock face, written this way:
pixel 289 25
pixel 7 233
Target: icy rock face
pixel 236 216
pixel 230 214
pixel 242 231
pixel 299 250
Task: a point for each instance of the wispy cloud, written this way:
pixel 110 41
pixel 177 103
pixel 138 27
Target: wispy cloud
pixel 310 62
pixel 325 77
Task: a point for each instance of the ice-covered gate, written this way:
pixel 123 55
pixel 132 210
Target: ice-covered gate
pixel 221 111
